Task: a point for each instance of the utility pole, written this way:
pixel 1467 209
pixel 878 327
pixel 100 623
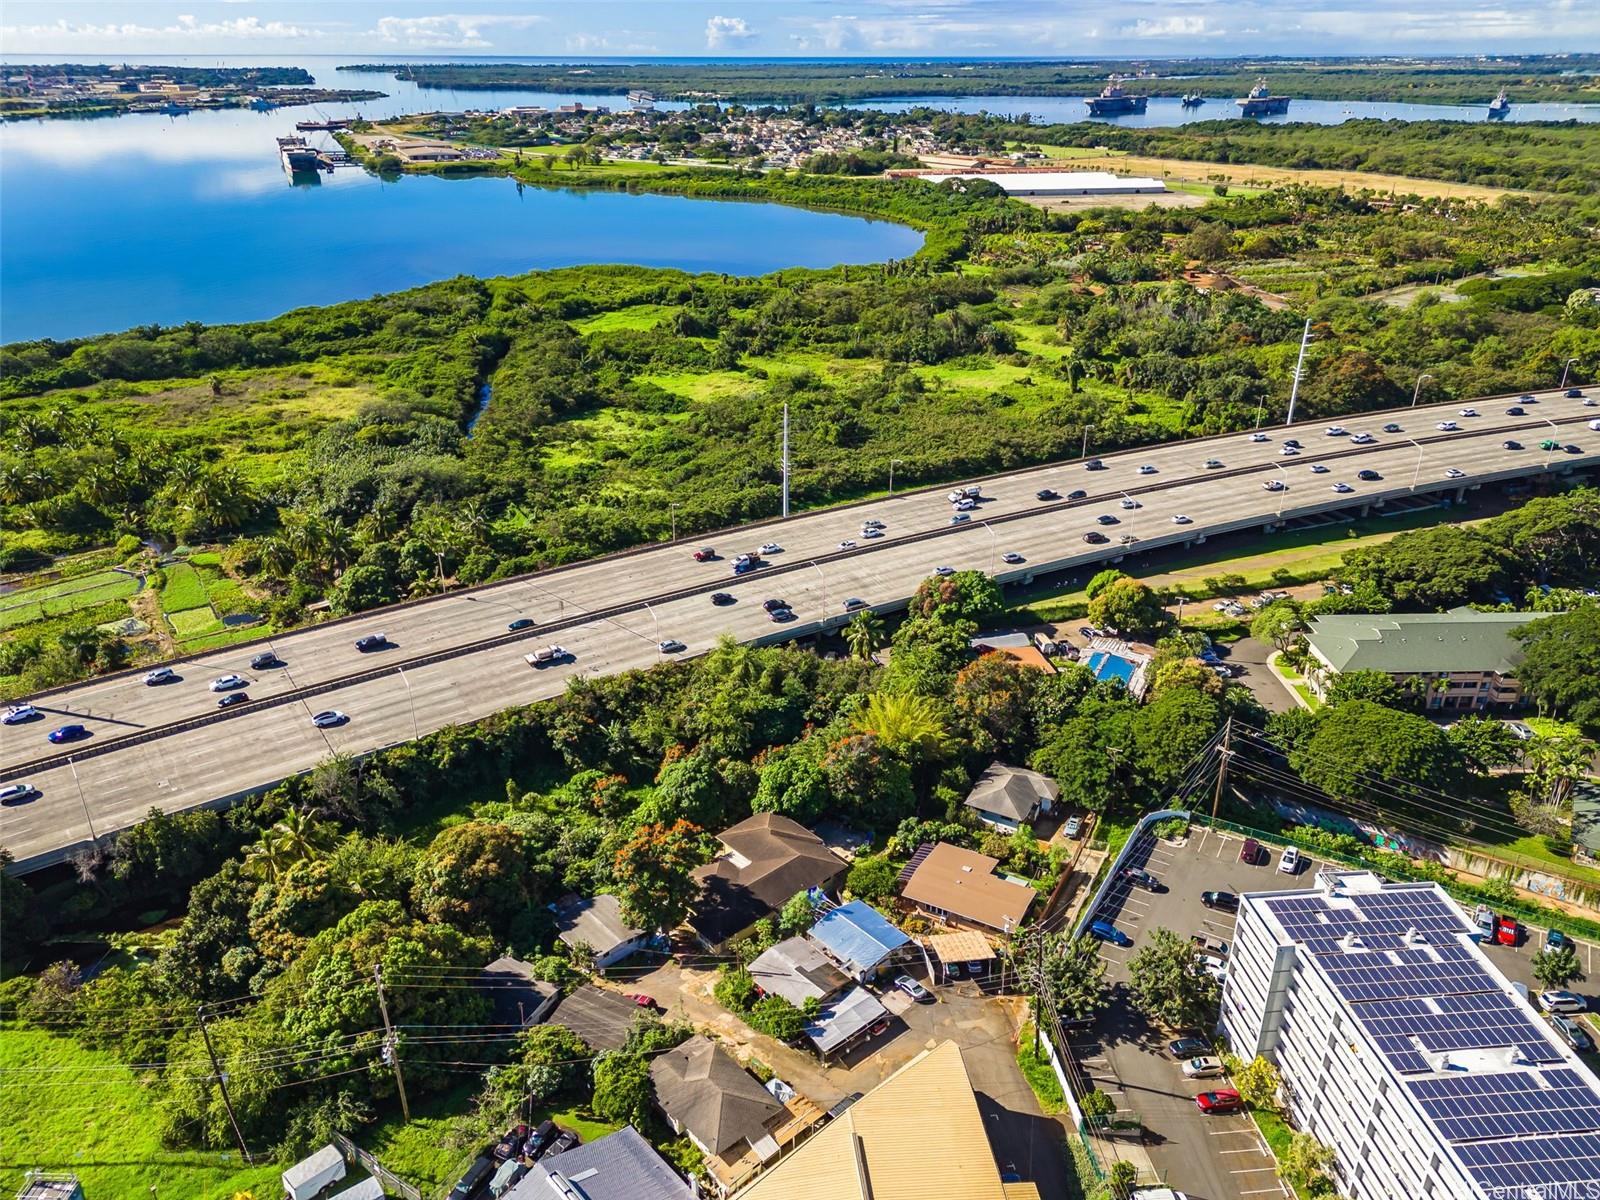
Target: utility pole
pixel 1299 364
pixel 391 1043
pixel 222 1082
pixel 1038 989
pixel 1224 753
pixel 786 459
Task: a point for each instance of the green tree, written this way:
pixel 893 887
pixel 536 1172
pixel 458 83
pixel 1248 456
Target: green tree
pixel 1071 969
pixel 1101 580
pixel 961 596
pixel 797 915
pixel 622 1089
pixel 1377 687
pixel 1432 568
pixel 874 879
pixel 474 875
pixel 1257 1083
pixel 1555 766
pixel 1121 1179
pixel 1364 751
pixel 864 634
pixel 1166 983
pixel 1097 1106
pixel 908 725
pixel 735 990
pixel 1557 670
pixel 1485 743
pixel 792 783
pixel 1557 968
pixel 1129 607
pixel 1278 624
pixel 1305 1164
pixel 994 695
pixel 653 872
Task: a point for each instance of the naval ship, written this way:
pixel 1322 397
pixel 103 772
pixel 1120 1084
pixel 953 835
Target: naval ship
pixel 1114 102
pixel 1261 102
pixel 298 158
pixel 1500 107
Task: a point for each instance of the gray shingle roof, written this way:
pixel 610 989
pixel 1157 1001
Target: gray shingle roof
pixel 797 970
pixel 1011 791
pixel 619 1166
pixel 709 1094
pixel 595 921
pixel 1420 643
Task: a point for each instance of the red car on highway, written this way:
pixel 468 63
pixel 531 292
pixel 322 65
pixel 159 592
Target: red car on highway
pixel 1224 1100
pixel 1507 932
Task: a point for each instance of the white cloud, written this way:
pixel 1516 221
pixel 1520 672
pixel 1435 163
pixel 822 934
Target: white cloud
pixel 1173 27
pixel 448 31
pixel 66 35
pixel 722 33
pixel 617 41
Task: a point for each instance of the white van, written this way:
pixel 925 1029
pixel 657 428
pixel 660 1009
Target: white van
pixel 545 655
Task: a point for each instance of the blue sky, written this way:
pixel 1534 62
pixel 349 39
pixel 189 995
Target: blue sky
pixel 1053 28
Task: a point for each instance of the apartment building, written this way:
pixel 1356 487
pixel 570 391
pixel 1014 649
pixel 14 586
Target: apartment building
pixel 1404 1049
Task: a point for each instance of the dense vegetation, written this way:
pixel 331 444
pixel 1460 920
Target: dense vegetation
pixel 200 76
pixel 1441 81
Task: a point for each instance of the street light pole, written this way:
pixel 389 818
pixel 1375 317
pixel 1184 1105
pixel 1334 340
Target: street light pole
pixel 654 619
pixel 820 575
pixel 994 548
pixel 674 510
pixel 94 837
pixel 892 462
pixel 1299 368
pixel 1417 474
pixel 1084 453
pixel 1567 366
pixel 1417 391
pixel 786 460
pixel 416 734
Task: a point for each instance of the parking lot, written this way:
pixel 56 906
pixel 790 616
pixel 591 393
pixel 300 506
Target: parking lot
pixel 1208 1158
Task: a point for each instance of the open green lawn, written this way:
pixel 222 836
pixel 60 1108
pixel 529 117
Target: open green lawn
pixel 182 589
pixel 82 1111
pixel 1037 1071
pixel 640 316
pixel 61 599
pixel 193 623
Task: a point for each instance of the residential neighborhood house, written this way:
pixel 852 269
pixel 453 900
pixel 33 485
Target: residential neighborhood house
pixel 959 888
pixel 765 861
pixel 1006 796
pixel 619 1166
pixel 518 997
pixel 596 922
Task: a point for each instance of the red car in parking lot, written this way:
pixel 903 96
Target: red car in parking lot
pixel 1507 932
pixel 1223 1100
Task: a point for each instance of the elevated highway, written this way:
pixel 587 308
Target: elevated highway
pixel 452 658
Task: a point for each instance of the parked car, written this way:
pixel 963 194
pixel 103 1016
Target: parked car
pixel 565 1141
pixel 226 683
pixel 1073 827
pixel 18 714
pixel 913 989
pixel 1107 932
pixel 68 733
pixel 1212 966
pixel 1562 1002
pixel 1250 852
pixel 475 1178
pixel 511 1143
pixel 1210 945
pixel 1289 864
pixel 1522 731
pixel 1573 1034
pixel 1484 918
pixel 539 1140
pixel 1554 939
pixel 1206 1067
pixel 159 676
pixel 1222 1100
pixel 1222 901
pixel 1188 1047
pixel 372 641
pixel 644 1001
pixel 1507 932
pixel 1140 878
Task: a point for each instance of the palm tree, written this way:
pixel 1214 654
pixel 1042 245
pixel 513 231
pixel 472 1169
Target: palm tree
pixel 907 723
pixel 864 634
pixel 300 837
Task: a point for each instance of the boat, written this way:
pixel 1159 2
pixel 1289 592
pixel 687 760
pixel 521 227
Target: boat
pixel 639 98
pixel 1193 99
pixel 1500 107
pixel 298 158
pixel 1114 102
pixel 1261 102
pixel 326 125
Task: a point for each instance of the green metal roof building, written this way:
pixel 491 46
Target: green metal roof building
pixel 1468 658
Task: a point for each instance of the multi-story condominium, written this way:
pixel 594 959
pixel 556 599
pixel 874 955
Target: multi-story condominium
pixel 1403 1049
pixel 1466 660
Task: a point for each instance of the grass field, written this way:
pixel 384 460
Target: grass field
pixel 104 1132
pixel 640 316
pixel 182 589
pixel 68 596
pixel 1037 1071
pixel 193 623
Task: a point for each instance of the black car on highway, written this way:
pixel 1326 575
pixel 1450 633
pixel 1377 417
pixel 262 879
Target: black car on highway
pixel 265 662
pixel 1095 538
pixel 372 641
pixel 1369 475
pixel 1047 494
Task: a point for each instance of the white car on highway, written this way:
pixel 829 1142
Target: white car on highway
pixel 1259 437
pixel 18 713
pixel 1337 431
pixel 159 675
pixel 329 718
pixel 15 793
pixel 1342 488
pixel 1447 426
pixel 1362 439
pixel 1180 519
pixel 771 548
pixel 1129 502
pixel 227 683
pixel 1468 412
pixel 1319 469
pixel 1454 473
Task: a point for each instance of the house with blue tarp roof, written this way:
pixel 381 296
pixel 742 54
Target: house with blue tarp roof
pixel 858 937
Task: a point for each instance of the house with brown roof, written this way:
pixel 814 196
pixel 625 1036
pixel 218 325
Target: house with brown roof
pixel 959 888
pixel 735 1122
pixel 765 861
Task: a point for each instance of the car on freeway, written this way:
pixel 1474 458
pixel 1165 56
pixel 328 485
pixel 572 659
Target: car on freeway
pixel 873 523
pixel 159 676
pixel 1393 427
pixel 1128 539
pixel 1554 939
pixel 1572 1033
pixel 849 544
pixel 227 683
pixel 68 733
pixel 1287 451
pixel 743 566
pixel 1077 494
pixel 913 989
pixel 1129 503
pixel 1221 901
pixel 1573 393
pixel 1447 426
pixel 1369 475
pixel 854 602
pixel 1454 473
pixel 771 548
pixel 372 641
pixel 944 572
pixel 1073 827
pixel 1595 424
pixel 1094 464
pixel 1295 442
pixel 1207 1066
pixel 869 532
pixel 1222 1100
pixel 1146 469
pixel 1342 488
pixel 1189 1047
pixel 16 793
pixel 1095 538
pixel 18 714
pixel 1181 519
pixel 1549 444
pixel 772 605
pixel 233 698
pixel 1362 439
pixel 671 646
pixel 960 518
pixel 328 719
pixel 1511 445
pixel 1107 932
pixel 1141 878
pixel 1516 410
pixel 265 661
pixel 1106 519
pixel 1571 449
pixel 965 504
pixel 1258 436
pixel 519 624
pixel 1506 931
pixel 546 656
pixel 1319 468
pixel 705 554
pixel 1012 557
pixel 1274 485
pixel 1558 1001
pixel 1337 431
pixel 1213 464
pixel 779 616
pixel 1467 412
pixel 722 599
pixel 1047 494
pixel 1289 864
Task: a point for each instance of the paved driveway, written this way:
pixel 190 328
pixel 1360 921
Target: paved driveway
pixel 1250 657
pixel 1208 1158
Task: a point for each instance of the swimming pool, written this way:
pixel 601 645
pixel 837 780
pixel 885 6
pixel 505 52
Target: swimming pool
pixel 1106 665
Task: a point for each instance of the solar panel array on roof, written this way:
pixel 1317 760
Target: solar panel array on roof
pixel 1382 920
pixel 1510 1104
pixel 1543 1166
pixel 1397 974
